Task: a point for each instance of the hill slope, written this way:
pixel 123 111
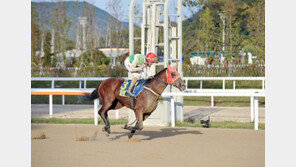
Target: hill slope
pixel 73 11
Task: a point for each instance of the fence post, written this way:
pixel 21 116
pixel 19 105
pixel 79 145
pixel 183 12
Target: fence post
pixel 50 105
pixel 173 111
pixel 263 86
pixel 200 84
pixel 223 83
pixel 256 112
pixel 52 83
pixel 186 83
pixel 116 114
pixel 233 84
pixel 252 108
pixel 84 83
pixel 50 99
pixel 212 101
pixel 96 111
pixel 63 99
pixel 79 84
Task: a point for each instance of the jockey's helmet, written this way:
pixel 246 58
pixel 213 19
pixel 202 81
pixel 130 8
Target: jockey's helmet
pixel 151 57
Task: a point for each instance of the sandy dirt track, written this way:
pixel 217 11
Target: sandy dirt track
pixel 154 146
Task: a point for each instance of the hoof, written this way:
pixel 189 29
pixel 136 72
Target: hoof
pixel 105 129
pixel 107 134
pixel 130 135
pixel 125 126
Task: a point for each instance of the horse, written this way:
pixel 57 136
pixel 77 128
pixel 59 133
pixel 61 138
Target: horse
pixel 144 104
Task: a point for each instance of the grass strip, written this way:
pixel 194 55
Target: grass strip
pixel 76 121
pixel 226 124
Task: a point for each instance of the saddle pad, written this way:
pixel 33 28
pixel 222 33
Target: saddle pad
pixel 138 87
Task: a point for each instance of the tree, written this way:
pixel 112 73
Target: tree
pixel 244 27
pixel 35 35
pixel 207 30
pixel 60 23
pixel 230 8
pixel 47 54
pixel 95 57
pixel 114 30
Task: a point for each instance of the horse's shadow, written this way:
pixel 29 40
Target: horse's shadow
pixel 164 132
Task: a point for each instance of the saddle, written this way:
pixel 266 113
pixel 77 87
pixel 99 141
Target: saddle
pixel 139 86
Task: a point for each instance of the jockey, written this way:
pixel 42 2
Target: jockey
pixel 135 64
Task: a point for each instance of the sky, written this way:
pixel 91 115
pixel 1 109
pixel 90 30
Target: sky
pixel 125 6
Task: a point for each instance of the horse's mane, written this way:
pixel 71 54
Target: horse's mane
pixel 160 72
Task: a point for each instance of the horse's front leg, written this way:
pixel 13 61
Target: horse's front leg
pixel 131 133
pixel 139 124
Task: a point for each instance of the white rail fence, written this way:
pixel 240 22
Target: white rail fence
pixel 53 79
pixel 252 93
pixel 186 79
pixel 224 79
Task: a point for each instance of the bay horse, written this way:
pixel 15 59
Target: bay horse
pixel 144 104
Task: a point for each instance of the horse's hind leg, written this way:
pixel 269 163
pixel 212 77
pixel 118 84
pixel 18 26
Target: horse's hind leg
pixel 103 113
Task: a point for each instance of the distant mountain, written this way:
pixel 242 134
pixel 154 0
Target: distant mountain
pixel 74 9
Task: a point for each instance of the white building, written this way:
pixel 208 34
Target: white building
pixel 200 58
pixel 113 53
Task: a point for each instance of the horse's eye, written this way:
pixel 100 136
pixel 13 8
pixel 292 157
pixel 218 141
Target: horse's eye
pixel 173 75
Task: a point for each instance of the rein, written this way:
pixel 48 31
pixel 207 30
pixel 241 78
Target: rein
pixel 151 91
pixel 163 81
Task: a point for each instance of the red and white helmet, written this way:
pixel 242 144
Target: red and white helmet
pixel 151 57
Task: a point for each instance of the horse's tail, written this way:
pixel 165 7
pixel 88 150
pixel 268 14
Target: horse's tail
pixel 93 95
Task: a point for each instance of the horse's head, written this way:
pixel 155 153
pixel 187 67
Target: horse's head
pixel 173 77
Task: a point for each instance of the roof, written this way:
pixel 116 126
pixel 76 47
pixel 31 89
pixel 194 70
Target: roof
pixel 208 53
pixel 202 54
pixel 114 52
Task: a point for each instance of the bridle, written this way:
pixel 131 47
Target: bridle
pixel 163 81
pixel 171 84
pixel 157 94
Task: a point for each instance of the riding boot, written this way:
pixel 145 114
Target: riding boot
pixel 133 82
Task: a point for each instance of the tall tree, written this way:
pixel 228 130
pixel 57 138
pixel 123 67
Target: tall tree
pixel 244 26
pixel 47 52
pixel 114 8
pixel 61 24
pixel 207 31
pixel 35 35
